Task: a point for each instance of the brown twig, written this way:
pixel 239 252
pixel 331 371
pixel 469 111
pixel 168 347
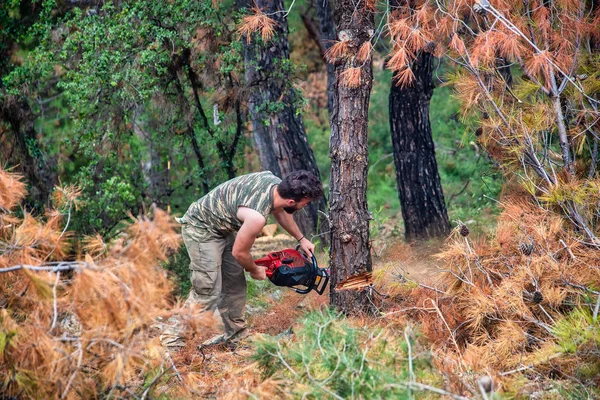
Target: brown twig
pixel 54 303
pixel 448 327
pixel 72 378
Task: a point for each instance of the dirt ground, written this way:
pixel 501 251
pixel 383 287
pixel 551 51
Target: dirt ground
pixel 415 261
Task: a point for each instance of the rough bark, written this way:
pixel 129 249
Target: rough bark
pixel 419 188
pixel 327 39
pixel 350 257
pixel 278 128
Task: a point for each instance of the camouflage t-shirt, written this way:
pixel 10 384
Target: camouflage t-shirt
pixel 216 213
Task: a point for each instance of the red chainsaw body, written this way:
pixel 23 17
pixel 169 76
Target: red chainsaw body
pixel 292 269
pixel 274 260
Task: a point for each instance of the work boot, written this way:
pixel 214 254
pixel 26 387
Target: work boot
pixel 240 335
pixel 223 339
pixel 217 339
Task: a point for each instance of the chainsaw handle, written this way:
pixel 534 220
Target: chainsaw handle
pixel 302 291
pixel 322 287
pixel 313 258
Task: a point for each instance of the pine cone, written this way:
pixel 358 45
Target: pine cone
pixel 464 230
pixel 430 47
pixel 526 248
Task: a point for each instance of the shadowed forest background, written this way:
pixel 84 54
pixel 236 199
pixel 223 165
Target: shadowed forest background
pixel 482 282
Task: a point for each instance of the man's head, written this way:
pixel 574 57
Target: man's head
pixel 298 188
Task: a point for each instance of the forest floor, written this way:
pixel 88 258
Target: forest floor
pixel 229 371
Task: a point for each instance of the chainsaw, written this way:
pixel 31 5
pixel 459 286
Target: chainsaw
pixel 291 268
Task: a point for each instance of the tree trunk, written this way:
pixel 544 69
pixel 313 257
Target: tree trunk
pixel 26 155
pixel 350 249
pixel 274 103
pixel 327 32
pixel 419 188
pixel 155 174
pixel 191 133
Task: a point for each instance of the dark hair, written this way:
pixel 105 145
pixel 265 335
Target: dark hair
pixel 299 185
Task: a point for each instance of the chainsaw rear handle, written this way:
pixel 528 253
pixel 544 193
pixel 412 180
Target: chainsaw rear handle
pixel 312 256
pixel 315 265
pixel 296 270
pixel 317 271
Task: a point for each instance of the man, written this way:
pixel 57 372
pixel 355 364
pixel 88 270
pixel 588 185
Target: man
pixel 219 231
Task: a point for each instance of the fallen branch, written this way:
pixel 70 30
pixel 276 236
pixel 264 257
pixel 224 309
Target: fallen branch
pixel 72 378
pixel 174 367
pixel 153 382
pixel 63 266
pixel 568 249
pixel 584 288
pixel 431 288
pixel 411 372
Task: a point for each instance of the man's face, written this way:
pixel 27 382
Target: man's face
pixel 294 206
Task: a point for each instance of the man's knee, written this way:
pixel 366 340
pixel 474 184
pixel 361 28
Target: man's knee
pixel 204 283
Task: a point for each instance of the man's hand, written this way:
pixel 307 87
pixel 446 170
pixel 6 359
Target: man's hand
pixel 259 273
pixel 287 222
pixel 307 246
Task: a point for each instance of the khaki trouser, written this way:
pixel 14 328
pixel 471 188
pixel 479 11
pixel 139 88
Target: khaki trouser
pixel 218 280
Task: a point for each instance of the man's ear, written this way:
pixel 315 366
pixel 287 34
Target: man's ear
pixel 290 203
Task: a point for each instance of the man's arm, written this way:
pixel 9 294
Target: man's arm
pixel 287 222
pixel 253 222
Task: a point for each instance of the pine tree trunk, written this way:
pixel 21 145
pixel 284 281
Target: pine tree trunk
pixel 327 37
pixel 419 188
pixel 274 103
pixel 349 215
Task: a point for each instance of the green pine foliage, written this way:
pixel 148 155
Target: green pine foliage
pixel 333 357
